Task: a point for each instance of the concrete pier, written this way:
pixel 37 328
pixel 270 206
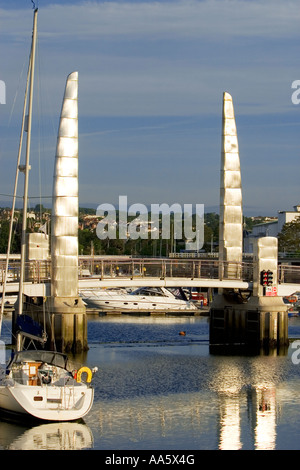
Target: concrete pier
pixel 259 325
pixel 67 330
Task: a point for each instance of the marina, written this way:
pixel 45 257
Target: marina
pixel 190 350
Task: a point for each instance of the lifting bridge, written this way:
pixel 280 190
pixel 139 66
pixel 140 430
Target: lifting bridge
pixel 104 272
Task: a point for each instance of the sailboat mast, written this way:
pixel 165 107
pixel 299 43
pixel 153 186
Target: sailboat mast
pixel 27 167
pixel 14 199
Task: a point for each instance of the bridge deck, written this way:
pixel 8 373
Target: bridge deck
pixel 166 272
pixel 149 281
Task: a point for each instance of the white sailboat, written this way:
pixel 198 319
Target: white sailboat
pixel 40 384
pixel 37 383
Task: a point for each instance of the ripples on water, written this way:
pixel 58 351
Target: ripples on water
pixel 158 390
pixel 139 329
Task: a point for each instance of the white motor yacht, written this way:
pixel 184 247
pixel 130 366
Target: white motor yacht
pixel 143 299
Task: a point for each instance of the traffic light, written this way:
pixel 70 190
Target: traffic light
pixel 269 278
pixel 264 278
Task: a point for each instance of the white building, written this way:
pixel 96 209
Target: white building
pixel 269 229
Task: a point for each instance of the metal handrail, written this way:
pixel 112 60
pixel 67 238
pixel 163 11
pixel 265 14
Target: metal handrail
pixel 38 271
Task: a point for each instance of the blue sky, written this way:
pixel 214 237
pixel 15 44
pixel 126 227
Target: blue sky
pixel 151 79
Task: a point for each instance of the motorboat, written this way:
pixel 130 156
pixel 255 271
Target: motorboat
pixel 142 299
pixel 43 385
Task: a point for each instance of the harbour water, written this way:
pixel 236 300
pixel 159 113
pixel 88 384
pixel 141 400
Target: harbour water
pixel 157 389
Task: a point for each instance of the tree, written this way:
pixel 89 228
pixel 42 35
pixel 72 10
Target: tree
pixel 289 237
pixel 39 208
pixel 16 237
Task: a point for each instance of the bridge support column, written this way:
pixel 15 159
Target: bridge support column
pixel 68 312
pixel 68 326
pixel 259 324
pixel 235 318
pixel 261 321
pixel 231 213
pixel 63 320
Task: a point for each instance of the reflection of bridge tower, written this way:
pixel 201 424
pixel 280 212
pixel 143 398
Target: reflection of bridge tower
pixel 235 318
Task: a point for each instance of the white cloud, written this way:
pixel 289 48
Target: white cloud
pixel 160 58
pixel 182 18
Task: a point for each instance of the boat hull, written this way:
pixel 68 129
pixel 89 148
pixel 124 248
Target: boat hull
pixel 47 403
pixel 137 306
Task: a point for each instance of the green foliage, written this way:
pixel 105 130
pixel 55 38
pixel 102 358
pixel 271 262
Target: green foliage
pixel 86 211
pixel 289 237
pixel 211 220
pixel 16 238
pixel 248 223
pixel 89 243
pixel 211 231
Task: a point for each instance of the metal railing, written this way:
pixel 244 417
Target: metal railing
pixel 288 274
pixel 168 268
pixel 108 268
pixel 36 271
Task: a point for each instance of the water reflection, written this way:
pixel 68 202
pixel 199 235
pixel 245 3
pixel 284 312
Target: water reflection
pixel 264 404
pixel 235 407
pixel 230 426
pixel 174 421
pixel 263 411
pixel 265 417
pixel 228 382
pixel 230 420
pixel 51 436
pixel 258 384
pixel 157 390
